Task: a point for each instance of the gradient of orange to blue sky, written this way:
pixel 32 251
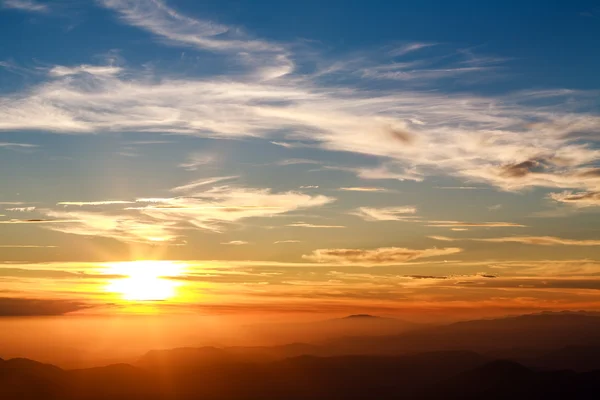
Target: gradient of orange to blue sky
pixel 297 158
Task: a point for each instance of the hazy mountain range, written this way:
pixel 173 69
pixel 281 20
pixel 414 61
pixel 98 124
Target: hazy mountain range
pixel 541 356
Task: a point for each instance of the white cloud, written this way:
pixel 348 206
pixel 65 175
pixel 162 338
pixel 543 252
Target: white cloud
pixel 214 208
pixel 483 139
pixel 379 256
pixel 197 160
pixel 26 5
pixel 93 203
pixel 362 189
pixel 202 182
pixel 307 225
pixel 17 145
pixel 21 209
pixel 124 227
pixel 402 213
pixel 581 199
pixel 96 70
pixel 542 241
pixel 286 241
pixel 235 242
pixel 462 224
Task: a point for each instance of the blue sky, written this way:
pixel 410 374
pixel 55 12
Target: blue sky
pixel 432 138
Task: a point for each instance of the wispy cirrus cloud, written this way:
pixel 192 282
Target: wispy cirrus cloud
pixel 511 141
pixel 533 240
pixel 308 225
pixel 266 59
pixel 196 160
pixel 541 240
pixel 235 243
pixel 401 213
pixel 379 256
pixel 95 70
pixel 164 219
pixel 580 199
pixel 202 182
pixel 21 209
pixel 119 226
pixel 362 189
pixel 9 145
pixel 465 224
pixel 93 203
pixel 26 5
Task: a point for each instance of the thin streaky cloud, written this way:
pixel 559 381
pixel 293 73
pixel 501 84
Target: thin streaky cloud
pixel 17 145
pixel 26 5
pixel 96 70
pixel 400 213
pixel 532 240
pixel 409 48
pixel 363 189
pixel 202 182
pixel 286 241
pixel 93 203
pixel 21 209
pixel 235 242
pixel 26 246
pixel 307 225
pixel 541 240
pixel 159 19
pixel 379 256
pixel 452 224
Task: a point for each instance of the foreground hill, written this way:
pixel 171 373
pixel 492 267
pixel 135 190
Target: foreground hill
pixel 544 356
pixel 442 375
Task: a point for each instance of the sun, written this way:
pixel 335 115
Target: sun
pixel 145 280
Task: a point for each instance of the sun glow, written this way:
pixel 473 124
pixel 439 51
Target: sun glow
pixel 145 280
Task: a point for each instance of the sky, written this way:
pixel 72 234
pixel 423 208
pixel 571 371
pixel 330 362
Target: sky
pixel 282 157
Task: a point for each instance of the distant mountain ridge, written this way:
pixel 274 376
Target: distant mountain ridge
pixel 537 356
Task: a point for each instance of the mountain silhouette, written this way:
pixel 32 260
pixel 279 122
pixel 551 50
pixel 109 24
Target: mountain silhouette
pixel 309 371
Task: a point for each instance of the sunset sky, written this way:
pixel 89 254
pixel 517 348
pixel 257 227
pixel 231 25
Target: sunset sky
pixel 227 157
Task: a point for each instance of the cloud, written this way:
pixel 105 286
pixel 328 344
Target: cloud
pixel 221 205
pixel 25 246
pixel 286 241
pixel 235 242
pixel 453 224
pixel 307 225
pixel 156 17
pixel 409 48
pixel 123 227
pixel 296 161
pixel 161 220
pixel 36 221
pixel 482 139
pixel 96 70
pixel 535 240
pixel 379 256
pixel 443 238
pixel 386 213
pixel 362 189
pixel 25 307
pixel 21 209
pixel 542 241
pixel 202 182
pixel 581 199
pixel 197 160
pixel 17 145
pixel 26 5
pixel 93 203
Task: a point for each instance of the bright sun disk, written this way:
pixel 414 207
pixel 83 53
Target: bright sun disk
pixel 145 280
